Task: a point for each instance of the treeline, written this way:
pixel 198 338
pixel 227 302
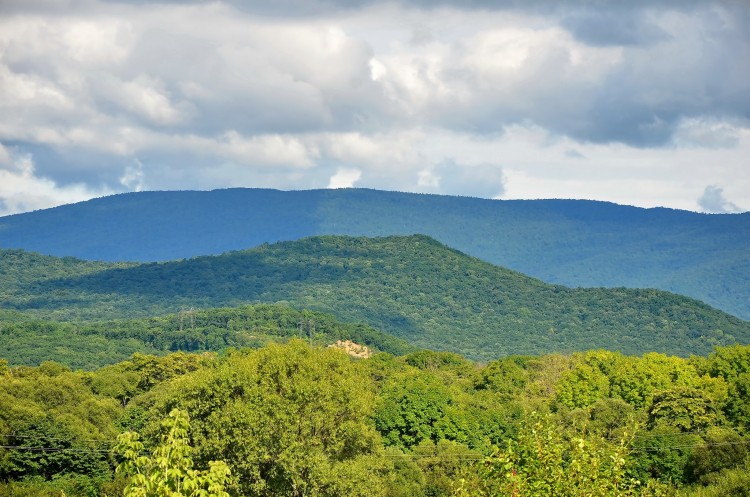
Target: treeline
pixel 290 420
pixel 25 340
pixel 412 287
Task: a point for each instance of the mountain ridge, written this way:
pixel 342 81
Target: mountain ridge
pixel 414 287
pixel 571 242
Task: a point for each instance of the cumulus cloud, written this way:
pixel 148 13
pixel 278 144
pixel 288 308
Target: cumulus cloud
pixel 713 201
pixel 413 95
pixel 22 190
pixel 132 178
pixel 345 178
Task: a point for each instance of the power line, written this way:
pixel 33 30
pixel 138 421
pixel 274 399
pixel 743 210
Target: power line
pixel 687 446
pixel 55 449
pixel 58 439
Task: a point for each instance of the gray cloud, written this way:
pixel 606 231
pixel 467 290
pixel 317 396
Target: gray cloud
pixel 452 178
pixel 287 93
pixel 574 154
pixel 617 26
pixel 713 201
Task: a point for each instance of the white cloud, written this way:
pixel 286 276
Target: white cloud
pixel 132 178
pixel 713 200
pixel 707 133
pixel 344 178
pixel 22 190
pixel 265 150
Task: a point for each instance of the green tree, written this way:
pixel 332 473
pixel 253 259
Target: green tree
pixel 289 419
pixel 722 449
pixel 581 387
pixel 737 406
pixel 169 471
pixel 411 408
pixel 729 362
pixel 636 379
pixel 686 408
pixel 544 461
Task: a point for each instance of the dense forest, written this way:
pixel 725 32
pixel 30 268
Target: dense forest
pixel 29 341
pixel 573 243
pixel 412 287
pixel 289 419
pixel 341 366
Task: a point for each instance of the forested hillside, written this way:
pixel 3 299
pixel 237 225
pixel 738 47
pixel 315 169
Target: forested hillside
pixel 289 420
pixel 575 243
pixel 25 340
pixel 412 287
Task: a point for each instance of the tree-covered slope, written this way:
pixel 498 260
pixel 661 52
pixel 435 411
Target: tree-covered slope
pixel 25 340
pixel 413 287
pixel 575 243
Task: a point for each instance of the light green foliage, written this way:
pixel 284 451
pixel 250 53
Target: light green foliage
pixel 64 485
pixel 733 364
pixel 729 362
pixel 289 420
pixel 544 461
pixel 686 408
pixel 507 377
pixel 581 387
pixel 610 418
pixel 636 379
pixel 53 408
pixel 169 472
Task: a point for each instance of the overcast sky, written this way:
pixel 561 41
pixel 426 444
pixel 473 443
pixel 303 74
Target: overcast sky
pixel 644 103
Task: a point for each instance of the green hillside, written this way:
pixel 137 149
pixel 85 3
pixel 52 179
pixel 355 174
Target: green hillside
pixel 575 243
pixel 412 287
pixel 25 340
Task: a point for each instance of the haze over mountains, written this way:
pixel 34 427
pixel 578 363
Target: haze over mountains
pixel 570 242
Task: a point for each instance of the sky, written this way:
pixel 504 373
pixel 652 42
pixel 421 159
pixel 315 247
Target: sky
pixel 639 102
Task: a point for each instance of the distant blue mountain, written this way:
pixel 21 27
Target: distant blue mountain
pixel 570 242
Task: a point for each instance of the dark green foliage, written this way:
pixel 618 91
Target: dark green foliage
pixel 45 448
pixel 575 243
pixel 738 401
pixel 413 409
pixel 664 453
pixel 724 449
pixel 412 287
pixel 90 345
pixel 728 482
